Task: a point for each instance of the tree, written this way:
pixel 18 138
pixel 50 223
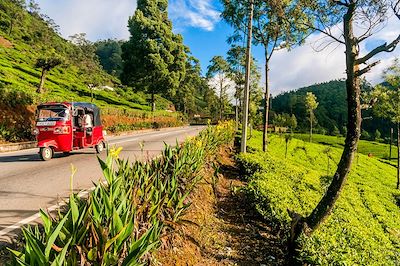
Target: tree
pixel 335 131
pixel 34 8
pixel 46 64
pixel 110 56
pixel 320 16
pixel 377 135
pixel 16 13
pixel 211 99
pixel 274 28
pixel 154 57
pixel 388 103
pixel 85 57
pixel 311 104
pixel 189 89
pixel 218 74
pixel 293 122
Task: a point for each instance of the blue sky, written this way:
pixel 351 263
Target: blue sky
pixel 205 33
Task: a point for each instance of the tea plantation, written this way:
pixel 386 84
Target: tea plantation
pixel 364 228
pixel 374 148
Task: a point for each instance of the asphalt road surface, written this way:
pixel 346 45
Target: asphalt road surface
pixel 27 183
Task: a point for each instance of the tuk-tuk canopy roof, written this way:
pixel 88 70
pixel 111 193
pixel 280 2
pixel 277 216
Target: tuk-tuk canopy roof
pixel 92 108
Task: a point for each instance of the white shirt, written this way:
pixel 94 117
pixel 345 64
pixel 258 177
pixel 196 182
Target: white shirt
pixel 87 121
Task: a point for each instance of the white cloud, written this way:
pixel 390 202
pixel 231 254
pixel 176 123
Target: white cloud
pixel 193 13
pixel 99 19
pixel 302 66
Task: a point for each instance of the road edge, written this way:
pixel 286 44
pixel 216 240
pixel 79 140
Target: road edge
pixel 9 147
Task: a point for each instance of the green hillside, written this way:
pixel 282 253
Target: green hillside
pixel 28 37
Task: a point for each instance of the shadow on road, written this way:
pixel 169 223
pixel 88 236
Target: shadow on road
pixel 35 157
pixel 20 158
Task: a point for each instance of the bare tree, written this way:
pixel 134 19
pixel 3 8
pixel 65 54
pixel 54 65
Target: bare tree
pixel 369 16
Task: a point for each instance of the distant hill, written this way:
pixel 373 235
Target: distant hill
pixel 331 112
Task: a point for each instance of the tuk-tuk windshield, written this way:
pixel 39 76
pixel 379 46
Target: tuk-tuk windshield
pixel 53 113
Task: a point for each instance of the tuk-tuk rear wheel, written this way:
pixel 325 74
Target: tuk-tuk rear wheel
pixel 100 147
pixel 46 153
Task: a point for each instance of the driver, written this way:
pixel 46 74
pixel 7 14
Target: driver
pixel 88 123
pixel 87 118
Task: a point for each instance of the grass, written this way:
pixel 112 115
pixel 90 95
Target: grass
pixel 364 228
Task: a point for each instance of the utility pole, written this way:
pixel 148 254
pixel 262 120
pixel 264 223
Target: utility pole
pixel 247 81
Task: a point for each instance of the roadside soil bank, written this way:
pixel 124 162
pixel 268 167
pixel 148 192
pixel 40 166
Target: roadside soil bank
pixel 220 227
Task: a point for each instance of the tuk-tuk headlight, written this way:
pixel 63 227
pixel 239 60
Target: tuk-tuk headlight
pixel 36 131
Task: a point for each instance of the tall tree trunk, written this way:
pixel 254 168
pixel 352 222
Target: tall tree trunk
pixel 398 156
pixel 309 224
pixel 266 104
pixel 311 124
pixel 221 100
pixel 153 101
pixel 42 80
pixel 391 141
pixel 236 114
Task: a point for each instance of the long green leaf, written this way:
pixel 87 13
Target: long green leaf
pixel 54 235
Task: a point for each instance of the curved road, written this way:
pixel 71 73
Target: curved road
pixel 27 183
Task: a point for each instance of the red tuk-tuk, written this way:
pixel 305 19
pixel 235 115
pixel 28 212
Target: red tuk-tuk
pixel 64 127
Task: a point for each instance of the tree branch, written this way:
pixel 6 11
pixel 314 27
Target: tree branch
pixel 366 69
pixel 324 32
pixel 273 48
pixel 382 48
pixel 396 8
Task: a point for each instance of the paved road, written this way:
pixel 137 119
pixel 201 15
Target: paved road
pixel 27 183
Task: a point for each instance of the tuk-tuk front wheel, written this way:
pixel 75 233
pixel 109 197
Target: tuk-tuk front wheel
pixel 46 153
pixel 100 147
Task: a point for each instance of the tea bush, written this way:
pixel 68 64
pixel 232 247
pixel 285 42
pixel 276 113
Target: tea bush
pixel 374 148
pixel 122 219
pixel 364 227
